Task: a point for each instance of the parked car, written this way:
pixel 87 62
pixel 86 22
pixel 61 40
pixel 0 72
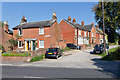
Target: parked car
pixel 98 49
pixel 73 46
pixel 53 52
pixel 107 46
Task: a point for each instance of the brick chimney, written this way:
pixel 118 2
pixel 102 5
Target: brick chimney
pixel 6 26
pixel 54 17
pixel 82 23
pixel 23 20
pixel 97 26
pixel 74 20
pixel 69 18
pixel 92 23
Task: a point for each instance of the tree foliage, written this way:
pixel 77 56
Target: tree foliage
pixel 111 18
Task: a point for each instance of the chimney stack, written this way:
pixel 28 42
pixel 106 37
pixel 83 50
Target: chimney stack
pixel 69 18
pixel 74 20
pixel 6 26
pixel 82 23
pixel 54 17
pixel 23 20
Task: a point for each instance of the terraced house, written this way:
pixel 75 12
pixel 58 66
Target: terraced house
pixel 79 34
pixel 35 35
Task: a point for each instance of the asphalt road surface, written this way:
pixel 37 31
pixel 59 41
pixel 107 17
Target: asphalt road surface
pixel 74 64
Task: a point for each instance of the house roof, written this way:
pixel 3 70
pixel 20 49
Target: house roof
pixel 76 25
pixel 46 23
pixel 99 31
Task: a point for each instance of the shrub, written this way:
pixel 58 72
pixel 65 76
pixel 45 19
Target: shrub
pixel 2 47
pixel 113 54
pixel 37 58
pixel 66 49
pixel 25 54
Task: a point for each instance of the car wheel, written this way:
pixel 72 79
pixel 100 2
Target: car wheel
pixel 56 57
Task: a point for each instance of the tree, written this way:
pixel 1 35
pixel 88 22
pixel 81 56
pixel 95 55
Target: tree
pixel 111 18
pixel 12 43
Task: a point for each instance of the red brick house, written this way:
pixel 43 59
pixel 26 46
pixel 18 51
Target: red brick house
pixel 5 35
pixel 77 34
pixel 35 35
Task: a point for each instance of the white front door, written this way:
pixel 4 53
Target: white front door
pixel 80 40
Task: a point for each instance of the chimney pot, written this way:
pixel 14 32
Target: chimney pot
pixel 6 26
pixel 82 23
pixel 54 17
pixel 23 20
pixel 69 18
pixel 74 20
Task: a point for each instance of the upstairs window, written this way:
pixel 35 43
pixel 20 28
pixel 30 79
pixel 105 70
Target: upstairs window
pixel 80 32
pixel 75 31
pixel 92 34
pixel 85 33
pixel 20 44
pixel 41 31
pixel 20 32
pixel 88 34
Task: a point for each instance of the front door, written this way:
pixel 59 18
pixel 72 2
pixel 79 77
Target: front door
pixel 33 45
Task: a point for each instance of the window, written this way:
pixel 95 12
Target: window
pixel 92 34
pixel 88 34
pixel 80 32
pixel 85 33
pixel 41 31
pixel 20 31
pixel 20 44
pixel 75 31
pixel 41 44
pixel 100 36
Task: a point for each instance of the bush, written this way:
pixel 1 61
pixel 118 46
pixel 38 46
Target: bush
pixel 2 48
pixel 25 54
pixel 113 54
pixel 37 58
pixel 66 49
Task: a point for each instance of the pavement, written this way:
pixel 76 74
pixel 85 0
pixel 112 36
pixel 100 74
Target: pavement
pixel 78 63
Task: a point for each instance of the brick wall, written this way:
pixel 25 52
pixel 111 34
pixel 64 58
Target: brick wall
pixel 4 37
pixel 68 32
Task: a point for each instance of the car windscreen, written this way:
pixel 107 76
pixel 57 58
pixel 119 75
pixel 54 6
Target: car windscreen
pixel 98 46
pixel 52 49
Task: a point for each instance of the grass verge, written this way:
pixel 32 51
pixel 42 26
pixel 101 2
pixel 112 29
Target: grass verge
pixel 37 58
pixel 113 54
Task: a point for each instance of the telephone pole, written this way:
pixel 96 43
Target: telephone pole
pixel 103 27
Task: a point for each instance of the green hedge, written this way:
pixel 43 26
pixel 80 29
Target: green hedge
pixel 25 54
pixel 37 58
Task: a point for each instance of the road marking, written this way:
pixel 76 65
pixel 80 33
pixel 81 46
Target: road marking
pixel 32 77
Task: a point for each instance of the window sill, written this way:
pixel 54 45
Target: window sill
pixel 20 47
pixel 41 34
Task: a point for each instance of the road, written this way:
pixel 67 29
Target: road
pixel 74 64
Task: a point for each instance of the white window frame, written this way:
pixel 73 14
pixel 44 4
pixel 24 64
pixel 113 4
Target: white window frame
pixel 92 34
pixel 80 32
pixel 41 32
pixel 19 32
pixel 85 33
pixel 75 31
pixel 21 45
pixel 88 34
pixel 40 45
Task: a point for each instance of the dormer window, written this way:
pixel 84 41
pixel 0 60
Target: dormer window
pixel 20 31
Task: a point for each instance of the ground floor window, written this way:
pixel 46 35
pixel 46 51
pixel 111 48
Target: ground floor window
pixel 20 44
pixel 41 43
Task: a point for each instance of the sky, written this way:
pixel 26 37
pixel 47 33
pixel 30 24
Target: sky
pixel 39 11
